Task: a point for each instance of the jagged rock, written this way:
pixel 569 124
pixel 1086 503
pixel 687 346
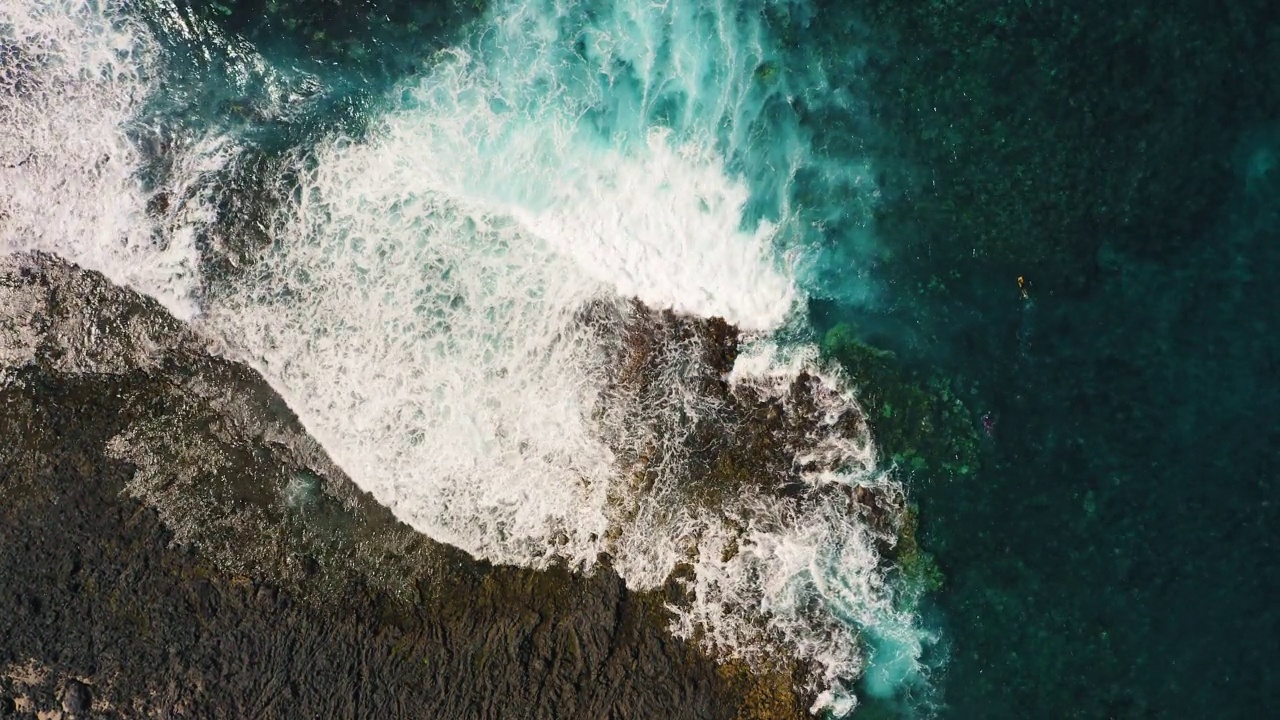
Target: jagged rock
pixel 76 697
pixel 740 439
pixel 144 504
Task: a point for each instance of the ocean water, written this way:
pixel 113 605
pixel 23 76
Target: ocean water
pixel 405 243
pixel 428 226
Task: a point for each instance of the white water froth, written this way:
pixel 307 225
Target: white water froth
pixel 73 75
pixel 430 348
pixel 523 127
pixel 663 228
pixel 421 306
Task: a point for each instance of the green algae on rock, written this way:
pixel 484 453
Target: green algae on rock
pixel 918 422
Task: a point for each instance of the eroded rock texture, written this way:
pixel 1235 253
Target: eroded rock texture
pixel 172 543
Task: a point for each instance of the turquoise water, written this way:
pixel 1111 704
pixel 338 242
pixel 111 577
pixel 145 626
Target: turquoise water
pixel 784 117
pixel 395 213
pixel 402 222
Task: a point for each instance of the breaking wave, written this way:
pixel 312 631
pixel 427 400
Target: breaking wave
pixel 544 304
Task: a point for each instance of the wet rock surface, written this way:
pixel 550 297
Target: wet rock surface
pixel 76 697
pixel 174 544
pixel 729 438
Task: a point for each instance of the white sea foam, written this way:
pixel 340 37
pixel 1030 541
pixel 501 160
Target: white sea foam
pixel 525 128
pixel 663 227
pixel 421 305
pixel 430 347
pixel 73 75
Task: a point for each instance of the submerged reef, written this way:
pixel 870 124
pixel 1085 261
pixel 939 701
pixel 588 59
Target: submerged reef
pixel 917 419
pixel 928 434
pixel 1026 135
pixel 1097 153
pixel 186 548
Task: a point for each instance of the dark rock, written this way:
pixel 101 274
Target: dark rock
pixel 7 706
pixel 750 439
pixel 76 697
pixel 143 462
pixel 266 597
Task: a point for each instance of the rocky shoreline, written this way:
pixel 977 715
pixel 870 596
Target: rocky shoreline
pixel 178 546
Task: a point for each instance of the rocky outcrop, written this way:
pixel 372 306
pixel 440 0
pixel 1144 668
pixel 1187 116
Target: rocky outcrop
pixel 173 543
